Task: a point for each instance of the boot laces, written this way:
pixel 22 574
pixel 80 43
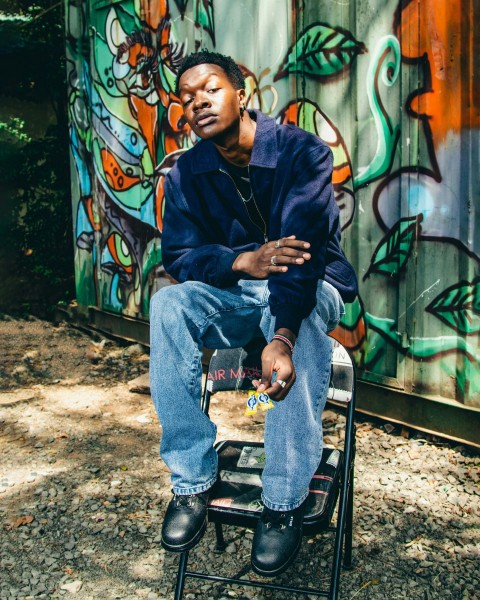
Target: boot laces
pixel 278 520
pixel 184 500
pixel 189 500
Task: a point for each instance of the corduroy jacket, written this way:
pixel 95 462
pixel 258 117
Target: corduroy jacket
pixel 206 225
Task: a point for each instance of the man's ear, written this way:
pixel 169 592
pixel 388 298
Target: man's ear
pixel 242 97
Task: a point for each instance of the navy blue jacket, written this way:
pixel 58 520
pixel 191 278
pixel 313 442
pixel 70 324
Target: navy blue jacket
pixel 206 225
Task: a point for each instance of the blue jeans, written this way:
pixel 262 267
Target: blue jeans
pixel 188 316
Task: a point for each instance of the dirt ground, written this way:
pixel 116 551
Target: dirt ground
pixel 79 459
pixel 82 489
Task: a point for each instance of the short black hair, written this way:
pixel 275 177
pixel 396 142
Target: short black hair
pixel 205 57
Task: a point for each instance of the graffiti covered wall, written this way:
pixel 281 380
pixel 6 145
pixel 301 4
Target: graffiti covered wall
pixel 388 84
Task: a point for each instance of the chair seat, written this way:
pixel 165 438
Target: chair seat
pixel 236 498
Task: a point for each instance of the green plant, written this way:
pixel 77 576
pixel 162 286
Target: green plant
pixel 35 169
pixel 42 224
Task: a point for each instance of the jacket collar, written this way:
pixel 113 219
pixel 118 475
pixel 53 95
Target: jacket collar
pixel 206 158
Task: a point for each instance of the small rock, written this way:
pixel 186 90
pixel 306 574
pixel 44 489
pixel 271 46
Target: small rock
pixel 230 549
pixel 140 385
pixel 73 587
pixel 134 350
pixel 145 419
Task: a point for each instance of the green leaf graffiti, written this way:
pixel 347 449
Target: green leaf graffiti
pixel 459 307
pixel 321 51
pixel 385 326
pixel 352 315
pixel 394 249
pixel 204 17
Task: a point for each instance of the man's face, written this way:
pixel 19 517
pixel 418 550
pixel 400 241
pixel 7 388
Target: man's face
pixel 210 102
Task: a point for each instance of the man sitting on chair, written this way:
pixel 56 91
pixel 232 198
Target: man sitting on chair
pixel 252 235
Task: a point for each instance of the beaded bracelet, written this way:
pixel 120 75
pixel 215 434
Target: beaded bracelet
pixel 285 340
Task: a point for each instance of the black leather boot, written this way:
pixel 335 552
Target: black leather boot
pixel 277 540
pixel 185 521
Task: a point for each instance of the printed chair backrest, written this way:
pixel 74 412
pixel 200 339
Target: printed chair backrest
pixel 233 370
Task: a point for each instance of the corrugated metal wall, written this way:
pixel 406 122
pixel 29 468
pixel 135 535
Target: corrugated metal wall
pixel 389 84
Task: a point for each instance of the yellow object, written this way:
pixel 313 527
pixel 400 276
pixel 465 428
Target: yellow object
pixel 255 400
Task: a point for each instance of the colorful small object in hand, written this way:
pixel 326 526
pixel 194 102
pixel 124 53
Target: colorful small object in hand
pixel 257 399
pixel 264 401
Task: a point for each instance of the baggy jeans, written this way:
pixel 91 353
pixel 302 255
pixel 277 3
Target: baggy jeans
pixel 186 317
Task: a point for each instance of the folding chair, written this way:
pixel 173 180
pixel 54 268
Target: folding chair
pixel 236 498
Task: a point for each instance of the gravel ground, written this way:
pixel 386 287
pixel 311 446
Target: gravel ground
pixel 82 490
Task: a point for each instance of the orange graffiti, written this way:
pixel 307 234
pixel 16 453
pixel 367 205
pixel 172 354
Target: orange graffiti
pixel 147 117
pixel 342 171
pixel 352 339
pixel 170 143
pixel 92 216
pixel 112 246
pixel 138 53
pixel 290 116
pixel 438 29
pixel 152 12
pixel 165 47
pixel 177 125
pixel 116 177
pixel 176 118
pixel 175 128
pixel 341 174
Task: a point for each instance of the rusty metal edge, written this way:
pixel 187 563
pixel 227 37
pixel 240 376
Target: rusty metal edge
pixel 450 420
pixel 95 320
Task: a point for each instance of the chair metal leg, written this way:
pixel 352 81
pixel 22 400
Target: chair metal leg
pixel 337 553
pixel 182 567
pixel 340 533
pixel 347 559
pixel 345 502
pixel 221 543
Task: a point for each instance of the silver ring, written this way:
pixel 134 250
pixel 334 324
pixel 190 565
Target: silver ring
pixel 277 244
pixel 272 261
pixel 281 382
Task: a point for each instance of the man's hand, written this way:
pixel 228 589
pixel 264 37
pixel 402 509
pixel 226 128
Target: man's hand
pixel 272 257
pixel 277 358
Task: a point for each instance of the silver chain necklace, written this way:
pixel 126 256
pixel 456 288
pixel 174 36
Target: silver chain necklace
pixel 247 179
